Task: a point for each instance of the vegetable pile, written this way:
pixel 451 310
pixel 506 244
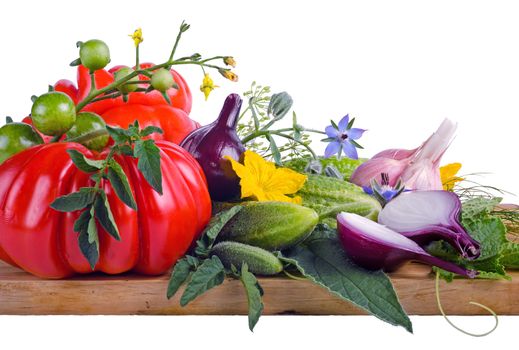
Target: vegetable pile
pixel 112 175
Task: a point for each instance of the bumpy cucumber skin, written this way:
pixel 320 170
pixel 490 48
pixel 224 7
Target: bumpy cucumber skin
pixel 270 225
pixel 259 261
pixel 329 196
pixel 346 166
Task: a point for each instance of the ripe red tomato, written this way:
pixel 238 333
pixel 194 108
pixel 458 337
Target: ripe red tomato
pixel 42 241
pixel 149 108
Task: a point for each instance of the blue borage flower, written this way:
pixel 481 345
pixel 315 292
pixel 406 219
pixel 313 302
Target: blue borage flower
pixel 342 138
pixel 384 192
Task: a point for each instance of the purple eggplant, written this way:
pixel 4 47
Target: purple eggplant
pixel 210 143
pixel 426 216
pixel 374 246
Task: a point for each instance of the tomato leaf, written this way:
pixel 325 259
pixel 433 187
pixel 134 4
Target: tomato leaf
pixel 208 236
pixel 75 201
pixel 209 274
pixel 88 238
pixel 181 273
pixel 120 184
pixel 120 136
pixel 83 163
pixel 254 293
pixel 127 150
pixel 149 163
pixel 103 213
pixel 151 129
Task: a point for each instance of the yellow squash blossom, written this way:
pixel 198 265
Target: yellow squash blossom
pixel 207 85
pixel 448 175
pixel 261 179
pixel 228 74
pixel 229 60
pixel 137 36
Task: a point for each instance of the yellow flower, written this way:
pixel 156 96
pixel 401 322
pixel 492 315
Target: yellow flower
pixel 261 179
pixel 207 85
pixel 137 36
pixel 448 175
pixel 227 74
pixel 229 60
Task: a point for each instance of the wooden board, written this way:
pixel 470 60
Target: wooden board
pixel 23 294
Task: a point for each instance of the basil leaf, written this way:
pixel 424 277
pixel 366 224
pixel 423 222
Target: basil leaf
pixel 119 135
pixel 181 272
pixel 83 163
pixel 149 162
pixel 254 293
pixel 323 261
pixel 75 201
pixel 210 233
pixel 151 130
pixel 103 213
pixel 88 237
pixel 209 274
pixel 120 184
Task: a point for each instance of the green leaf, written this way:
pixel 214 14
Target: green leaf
pixel 88 238
pixel 104 215
pixel 75 201
pixel 211 231
pixel 209 274
pixel 181 272
pixel 274 150
pixel 151 130
pixel 83 163
pixel 323 261
pixel 120 184
pixel 127 150
pixel 120 136
pixel 479 205
pixel 510 255
pixel 149 163
pixel 254 293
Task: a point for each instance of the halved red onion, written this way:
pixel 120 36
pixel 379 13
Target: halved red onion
pixel 426 216
pixel 374 246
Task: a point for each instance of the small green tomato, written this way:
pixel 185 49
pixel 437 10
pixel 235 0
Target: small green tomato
pixel 162 80
pixel 15 137
pixel 53 113
pixel 122 73
pixel 90 131
pixel 94 54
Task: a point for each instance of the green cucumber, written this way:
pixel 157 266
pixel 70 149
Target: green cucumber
pixel 329 196
pixel 270 225
pixel 259 261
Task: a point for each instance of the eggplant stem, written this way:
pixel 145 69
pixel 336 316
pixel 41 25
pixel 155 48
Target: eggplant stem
pixel 437 286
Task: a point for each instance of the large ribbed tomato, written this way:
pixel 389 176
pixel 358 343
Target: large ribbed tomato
pixel 42 240
pixel 149 108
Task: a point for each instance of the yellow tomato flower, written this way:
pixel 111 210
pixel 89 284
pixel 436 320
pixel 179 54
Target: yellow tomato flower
pixel 448 175
pixel 207 85
pixel 227 74
pixel 261 179
pixel 137 36
pixel 229 60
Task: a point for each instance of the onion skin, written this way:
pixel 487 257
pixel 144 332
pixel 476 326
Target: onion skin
pixel 210 143
pixel 450 230
pixel 371 252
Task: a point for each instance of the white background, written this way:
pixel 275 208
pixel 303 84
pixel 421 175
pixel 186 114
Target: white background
pixel 399 67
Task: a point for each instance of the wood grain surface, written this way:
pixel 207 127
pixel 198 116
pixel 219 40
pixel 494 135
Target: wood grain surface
pixel 24 294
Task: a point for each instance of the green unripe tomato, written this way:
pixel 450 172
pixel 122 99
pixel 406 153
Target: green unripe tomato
pixel 162 80
pixel 122 73
pixel 94 54
pixel 90 131
pixel 15 137
pixel 53 113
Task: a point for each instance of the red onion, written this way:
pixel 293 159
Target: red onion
pixel 374 246
pixel 426 216
pixel 210 143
